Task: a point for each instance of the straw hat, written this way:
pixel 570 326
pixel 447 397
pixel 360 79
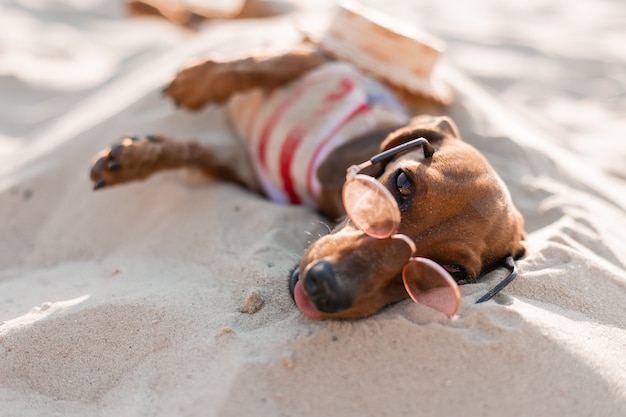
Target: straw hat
pixel 387 48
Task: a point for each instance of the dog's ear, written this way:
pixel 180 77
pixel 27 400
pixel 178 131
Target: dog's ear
pixel 332 171
pixel 519 241
pixel 433 128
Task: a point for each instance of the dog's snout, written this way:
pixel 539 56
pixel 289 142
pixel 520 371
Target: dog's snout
pixel 325 291
pixel 320 277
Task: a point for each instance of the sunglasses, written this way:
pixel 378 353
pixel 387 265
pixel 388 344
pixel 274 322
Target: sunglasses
pixel 373 209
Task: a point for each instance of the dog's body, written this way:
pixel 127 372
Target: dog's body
pixel 454 206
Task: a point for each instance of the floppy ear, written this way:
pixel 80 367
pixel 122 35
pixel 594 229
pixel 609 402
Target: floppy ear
pixel 433 128
pixel 519 244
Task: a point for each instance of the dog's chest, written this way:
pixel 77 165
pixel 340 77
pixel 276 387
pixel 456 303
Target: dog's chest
pixel 290 130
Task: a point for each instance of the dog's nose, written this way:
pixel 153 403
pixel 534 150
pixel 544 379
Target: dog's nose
pixel 324 290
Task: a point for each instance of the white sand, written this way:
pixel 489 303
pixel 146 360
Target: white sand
pixel 128 301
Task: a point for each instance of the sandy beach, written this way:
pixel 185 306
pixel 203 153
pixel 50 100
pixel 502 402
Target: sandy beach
pixel 169 297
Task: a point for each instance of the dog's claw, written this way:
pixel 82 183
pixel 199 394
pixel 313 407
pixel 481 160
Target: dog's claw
pixel 99 184
pixel 97 167
pixel 164 90
pixel 114 165
pixel 116 150
pixel 152 137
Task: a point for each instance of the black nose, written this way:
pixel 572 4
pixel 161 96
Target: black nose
pixel 325 291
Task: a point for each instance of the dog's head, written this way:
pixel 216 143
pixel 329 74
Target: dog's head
pixel 454 207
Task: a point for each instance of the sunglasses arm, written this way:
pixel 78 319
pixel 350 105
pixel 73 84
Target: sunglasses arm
pixel 510 264
pixel 426 146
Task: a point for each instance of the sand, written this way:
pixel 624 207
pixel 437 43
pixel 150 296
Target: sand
pixel 169 297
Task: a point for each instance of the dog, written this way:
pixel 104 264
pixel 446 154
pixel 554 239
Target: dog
pixel 454 209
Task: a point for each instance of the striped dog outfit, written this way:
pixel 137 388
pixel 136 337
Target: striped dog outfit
pixel 291 129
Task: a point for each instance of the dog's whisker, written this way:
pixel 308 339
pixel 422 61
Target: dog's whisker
pixel 324 224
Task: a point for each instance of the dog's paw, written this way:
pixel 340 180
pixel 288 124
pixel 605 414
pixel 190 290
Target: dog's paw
pixel 201 83
pixel 134 158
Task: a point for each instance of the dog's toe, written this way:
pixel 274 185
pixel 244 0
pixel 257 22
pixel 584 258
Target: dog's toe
pixel 114 165
pixel 101 183
pixel 97 167
pixel 116 151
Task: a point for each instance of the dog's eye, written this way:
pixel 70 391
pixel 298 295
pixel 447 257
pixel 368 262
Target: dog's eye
pixel 404 185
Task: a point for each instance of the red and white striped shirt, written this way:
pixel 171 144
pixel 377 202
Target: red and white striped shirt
pixel 291 129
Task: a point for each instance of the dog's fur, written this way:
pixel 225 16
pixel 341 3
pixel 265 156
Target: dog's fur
pixel 455 207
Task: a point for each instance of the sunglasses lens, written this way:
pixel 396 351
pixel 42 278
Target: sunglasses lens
pixel 371 207
pixel 429 284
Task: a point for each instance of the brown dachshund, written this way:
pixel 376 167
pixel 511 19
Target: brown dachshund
pixel 453 205
pixel 425 210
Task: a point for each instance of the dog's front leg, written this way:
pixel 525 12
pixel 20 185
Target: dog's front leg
pixel 136 158
pixel 215 81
